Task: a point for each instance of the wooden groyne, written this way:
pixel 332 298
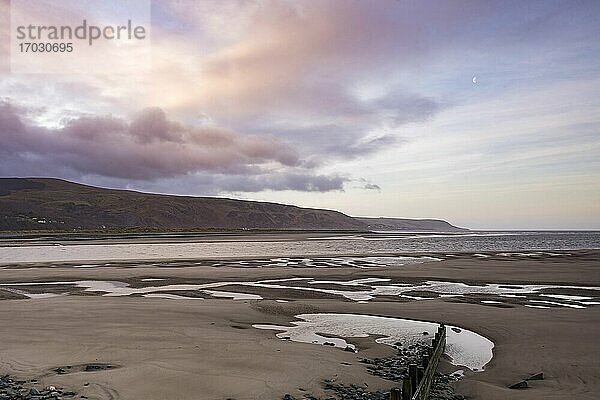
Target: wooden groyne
pixel 420 377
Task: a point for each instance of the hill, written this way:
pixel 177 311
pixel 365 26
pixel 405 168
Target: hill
pixel 406 224
pixel 56 204
pixel 51 204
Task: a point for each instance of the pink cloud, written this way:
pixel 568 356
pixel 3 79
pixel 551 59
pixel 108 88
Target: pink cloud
pixel 149 146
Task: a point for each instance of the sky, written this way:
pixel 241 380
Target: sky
pixel 483 113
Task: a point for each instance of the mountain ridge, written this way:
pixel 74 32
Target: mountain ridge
pixel 409 224
pixel 57 204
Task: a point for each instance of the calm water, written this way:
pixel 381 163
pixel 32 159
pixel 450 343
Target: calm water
pixel 373 243
pixel 465 348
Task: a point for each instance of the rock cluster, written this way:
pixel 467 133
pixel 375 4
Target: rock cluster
pixel 395 368
pixel 14 389
pixel 441 389
pixel 355 392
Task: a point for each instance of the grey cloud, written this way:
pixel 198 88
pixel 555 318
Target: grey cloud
pixel 322 143
pixel 300 181
pixel 150 150
pixel 367 185
pixel 148 147
pixel 351 134
pixel 367 146
pixel 332 100
pixel 371 186
pixel 205 183
pixel 402 108
pixel 214 184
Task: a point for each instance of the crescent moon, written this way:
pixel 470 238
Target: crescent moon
pixel 475 80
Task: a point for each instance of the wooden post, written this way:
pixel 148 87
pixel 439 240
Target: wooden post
pixel 395 394
pixel 416 373
pixel 412 373
pixel 406 389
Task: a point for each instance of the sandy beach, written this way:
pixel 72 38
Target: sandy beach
pixel 206 348
pixel 299 200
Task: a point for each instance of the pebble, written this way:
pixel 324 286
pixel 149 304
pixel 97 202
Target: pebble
pixel 13 389
pixel 394 368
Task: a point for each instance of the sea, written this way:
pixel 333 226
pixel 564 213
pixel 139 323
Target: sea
pixel 185 246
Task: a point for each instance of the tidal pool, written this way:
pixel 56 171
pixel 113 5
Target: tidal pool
pixel 359 290
pixel 465 348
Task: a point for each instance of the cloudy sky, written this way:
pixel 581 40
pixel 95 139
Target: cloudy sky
pixel 486 114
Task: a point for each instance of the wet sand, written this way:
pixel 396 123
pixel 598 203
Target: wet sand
pixel 207 349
